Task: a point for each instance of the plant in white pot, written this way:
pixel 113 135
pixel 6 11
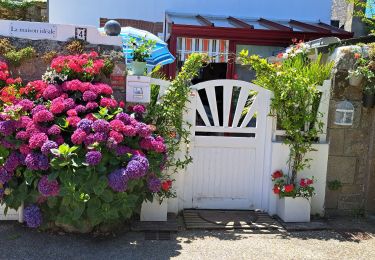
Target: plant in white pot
pixel 155 208
pixel 365 71
pixel 142 50
pixel 295 103
pixel 294 199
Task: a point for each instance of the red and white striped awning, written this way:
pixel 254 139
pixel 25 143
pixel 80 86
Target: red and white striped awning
pixel 215 48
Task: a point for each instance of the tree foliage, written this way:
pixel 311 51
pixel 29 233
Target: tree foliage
pixel 295 103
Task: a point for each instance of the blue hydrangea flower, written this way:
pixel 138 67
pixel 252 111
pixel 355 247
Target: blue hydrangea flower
pixel 33 216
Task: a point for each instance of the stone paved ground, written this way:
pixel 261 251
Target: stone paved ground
pixel 17 242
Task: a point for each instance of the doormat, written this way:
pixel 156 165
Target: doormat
pixel 229 219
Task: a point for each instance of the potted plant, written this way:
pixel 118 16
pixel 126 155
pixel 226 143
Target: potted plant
pixel 155 208
pixel 295 103
pixel 294 202
pixel 142 50
pixel 364 72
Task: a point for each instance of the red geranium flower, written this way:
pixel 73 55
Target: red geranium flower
pixel 289 188
pixel 309 181
pixel 303 183
pixel 357 55
pixel 277 174
pixel 276 189
pixel 166 185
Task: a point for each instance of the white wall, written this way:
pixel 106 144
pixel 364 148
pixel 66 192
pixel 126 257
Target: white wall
pixel 88 12
pixel 318 170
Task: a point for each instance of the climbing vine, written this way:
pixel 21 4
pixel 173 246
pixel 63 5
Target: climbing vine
pixel 167 113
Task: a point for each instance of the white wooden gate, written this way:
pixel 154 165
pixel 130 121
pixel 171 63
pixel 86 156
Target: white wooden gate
pixel 231 146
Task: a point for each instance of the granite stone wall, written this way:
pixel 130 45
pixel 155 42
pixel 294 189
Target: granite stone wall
pixel 351 155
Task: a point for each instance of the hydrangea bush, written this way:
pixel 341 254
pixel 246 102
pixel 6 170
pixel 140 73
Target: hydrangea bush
pixel 73 155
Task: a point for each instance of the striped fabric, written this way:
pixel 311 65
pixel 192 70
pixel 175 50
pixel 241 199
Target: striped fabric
pixel 160 54
pixel 216 49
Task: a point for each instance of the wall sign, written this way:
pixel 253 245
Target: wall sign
pixel 138 89
pixel 81 33
pixel 32 30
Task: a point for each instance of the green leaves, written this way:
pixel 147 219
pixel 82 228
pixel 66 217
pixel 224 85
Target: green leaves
pixel 295 102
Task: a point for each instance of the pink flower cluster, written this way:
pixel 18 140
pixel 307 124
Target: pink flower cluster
pixel 88 64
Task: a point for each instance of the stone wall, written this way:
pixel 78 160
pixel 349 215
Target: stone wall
pixel 351 148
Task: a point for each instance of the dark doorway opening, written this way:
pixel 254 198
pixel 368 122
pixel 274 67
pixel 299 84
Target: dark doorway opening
pixel 211 71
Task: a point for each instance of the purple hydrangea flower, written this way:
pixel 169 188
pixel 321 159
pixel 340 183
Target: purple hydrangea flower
pixel 143 161
pixel 26 104
pixel 52 92
pixel 101 125
pixel 47 146
pixel 69 103
pixel 154 184
pixel 5 176
pixel 37 161
pixel 111 143
pixel 32 216
pixel 89 95
pixel 143 130
pixel 85 124
pixel 91 105
pixel 12 162
pixel 140 109
pixel 122 149
pixel 48 188
pixel 100 137
pixel 125 118
pixel 93 157
pixel 80 109
pixel 7 127
pixel 117 180
pixel 1 193
pixel 54 130
pixel 90 139
pixel 37 109
pixel 135 170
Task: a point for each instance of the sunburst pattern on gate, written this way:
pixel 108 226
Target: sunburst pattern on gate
pixel 229 106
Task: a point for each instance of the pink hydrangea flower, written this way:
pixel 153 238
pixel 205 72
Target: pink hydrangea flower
pixel 129 130
pixel 117 125
pixel 116 136
pixel 43 116
pixel 73 120
pixel 78 136
pixel 37 140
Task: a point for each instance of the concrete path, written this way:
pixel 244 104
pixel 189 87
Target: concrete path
pixel 18 242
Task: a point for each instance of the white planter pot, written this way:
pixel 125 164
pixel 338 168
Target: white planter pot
pixel 294 209
pixel 154 211
pixel 355 81
pixel 11 214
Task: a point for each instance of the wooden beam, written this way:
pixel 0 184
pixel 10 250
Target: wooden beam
pixel 309 27
pixel 273 25
pixel 240 23
pixel 204 21
pixel 333 28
